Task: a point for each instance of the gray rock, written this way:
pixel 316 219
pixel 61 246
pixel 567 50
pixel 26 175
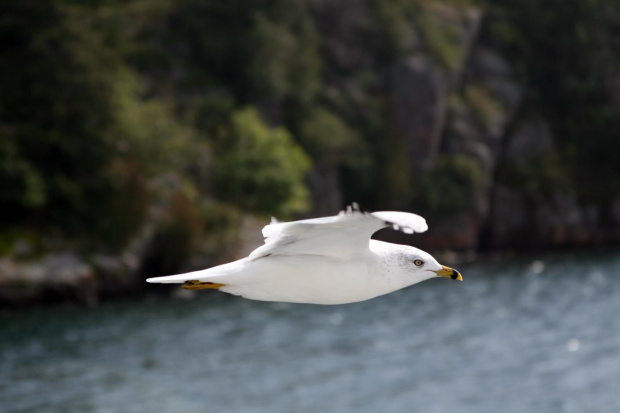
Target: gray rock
pixel 488 63
pixel 531 138
pixel 419 96
pixel 61 273
pixel 507 91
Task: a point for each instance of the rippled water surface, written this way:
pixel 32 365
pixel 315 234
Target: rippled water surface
pixel 516 336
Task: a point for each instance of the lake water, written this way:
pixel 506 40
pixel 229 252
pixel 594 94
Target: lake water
pixel 527 335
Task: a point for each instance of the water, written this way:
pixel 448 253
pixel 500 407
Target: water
pixel 537 336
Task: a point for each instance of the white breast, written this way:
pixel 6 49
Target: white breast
pixel 306 279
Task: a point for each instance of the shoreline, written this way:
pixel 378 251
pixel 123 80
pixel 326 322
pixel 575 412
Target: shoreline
pixel 65 278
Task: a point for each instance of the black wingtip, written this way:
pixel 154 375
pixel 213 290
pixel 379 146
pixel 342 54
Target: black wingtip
pixel 356 207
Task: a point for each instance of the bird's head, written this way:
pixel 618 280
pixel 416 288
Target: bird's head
pixel 424 266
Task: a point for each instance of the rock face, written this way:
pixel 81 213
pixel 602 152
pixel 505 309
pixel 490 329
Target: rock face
pixel 419 95
pixel 444 99
pixel 62 274
pixel 433 116
pixel 474 107
pixel 538 211
pixel 67 275
pixel 420 85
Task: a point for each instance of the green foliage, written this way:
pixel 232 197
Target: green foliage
pixel 22 183
pixel 275 46
pixel 261 51
pixel 57 88
pixel 99 100
pixel 440 36
pixel 408 26
pixel 394 18
pixel 81 141
pixel 78 142
pixel 330 141
pixel 483 105
pixel 284 59
pixel 452 186
pixel 260 168
pixel 541 177
pixel 567 53
pixel 147 131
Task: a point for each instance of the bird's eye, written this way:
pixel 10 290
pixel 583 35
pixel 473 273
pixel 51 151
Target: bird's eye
pixel 418 262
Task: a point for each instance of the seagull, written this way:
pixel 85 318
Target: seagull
pixel 329 260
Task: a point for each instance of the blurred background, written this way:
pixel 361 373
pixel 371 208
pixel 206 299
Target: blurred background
pixel 150 137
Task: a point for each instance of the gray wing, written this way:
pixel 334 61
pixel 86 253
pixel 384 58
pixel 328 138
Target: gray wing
pixel 342 236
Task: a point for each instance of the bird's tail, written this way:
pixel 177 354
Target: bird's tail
pixel 212 278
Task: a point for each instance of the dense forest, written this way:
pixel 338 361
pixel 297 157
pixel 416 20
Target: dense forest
pixel 143 137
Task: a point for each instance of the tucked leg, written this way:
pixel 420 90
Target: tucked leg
pixel 200 285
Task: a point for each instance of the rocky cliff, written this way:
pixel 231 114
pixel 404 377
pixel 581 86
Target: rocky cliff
pixel 497 122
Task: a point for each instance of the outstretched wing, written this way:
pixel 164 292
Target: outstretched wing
pixel 341 236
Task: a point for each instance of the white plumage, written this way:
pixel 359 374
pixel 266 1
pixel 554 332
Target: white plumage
pixel 329 260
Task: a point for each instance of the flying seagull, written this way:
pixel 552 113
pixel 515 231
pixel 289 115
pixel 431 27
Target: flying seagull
pixel 329 260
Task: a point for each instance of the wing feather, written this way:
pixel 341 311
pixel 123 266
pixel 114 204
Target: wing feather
pixel 341 236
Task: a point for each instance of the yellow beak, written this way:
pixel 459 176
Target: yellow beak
pixel 448 272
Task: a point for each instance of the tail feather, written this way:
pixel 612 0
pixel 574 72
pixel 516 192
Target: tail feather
pixel 178 279
pixel 215 274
